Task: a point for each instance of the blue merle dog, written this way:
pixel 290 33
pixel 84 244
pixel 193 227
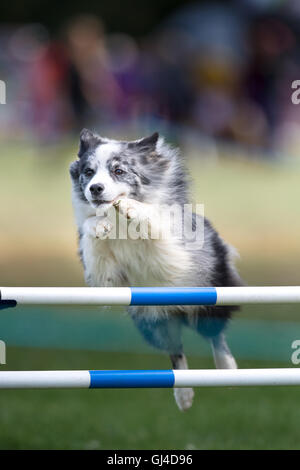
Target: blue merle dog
pixel 131 179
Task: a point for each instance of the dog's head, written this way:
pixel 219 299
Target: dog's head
pixel 109 169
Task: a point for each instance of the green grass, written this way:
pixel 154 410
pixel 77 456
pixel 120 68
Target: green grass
pixel 245 418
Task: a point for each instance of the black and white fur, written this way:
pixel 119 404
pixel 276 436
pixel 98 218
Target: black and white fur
pixel 133 177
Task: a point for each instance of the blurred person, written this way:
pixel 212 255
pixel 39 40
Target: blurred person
pixel 40 92
pixel 50 111
pixel 123 63
pixel 94 92
pixel 216 82
pixel 212 40
pixel 162 90
pixel 270 42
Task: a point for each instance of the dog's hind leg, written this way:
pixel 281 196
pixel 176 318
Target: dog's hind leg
pixel 165 334
pixel 183 396
pixel 222 354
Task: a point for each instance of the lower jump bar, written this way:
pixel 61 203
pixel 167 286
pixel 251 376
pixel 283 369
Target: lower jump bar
pixel 148 378
pixel 12 296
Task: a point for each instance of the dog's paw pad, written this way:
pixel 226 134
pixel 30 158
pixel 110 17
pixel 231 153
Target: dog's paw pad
pixel 184 398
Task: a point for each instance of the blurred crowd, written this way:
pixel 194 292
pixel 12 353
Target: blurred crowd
pixel 222 71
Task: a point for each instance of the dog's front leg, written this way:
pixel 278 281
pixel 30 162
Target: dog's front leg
pixel 97 227
pixel 144 217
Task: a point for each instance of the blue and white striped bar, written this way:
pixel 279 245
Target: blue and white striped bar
pixel 148 378
pixel 10 296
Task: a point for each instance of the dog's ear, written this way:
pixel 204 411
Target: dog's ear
pixel 146 143
pixel 87 140
pixel 74 170
pixel 150 141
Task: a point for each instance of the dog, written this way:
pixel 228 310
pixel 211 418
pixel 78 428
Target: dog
pixel 131 179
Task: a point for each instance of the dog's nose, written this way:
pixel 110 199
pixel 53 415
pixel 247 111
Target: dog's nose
pixel 96 189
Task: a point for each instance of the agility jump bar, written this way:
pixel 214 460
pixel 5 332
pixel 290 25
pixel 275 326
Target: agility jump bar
pixel 148 378
pixel 12 296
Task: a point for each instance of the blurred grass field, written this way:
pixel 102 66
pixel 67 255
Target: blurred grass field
pixel 254 204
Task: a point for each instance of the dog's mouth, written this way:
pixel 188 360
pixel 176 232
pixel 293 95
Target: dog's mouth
pixel 102 202
pixel 97 202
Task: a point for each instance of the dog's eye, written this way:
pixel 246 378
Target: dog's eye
pixel 119 172
pixel 89 172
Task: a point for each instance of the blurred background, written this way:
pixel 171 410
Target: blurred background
pixel 214 78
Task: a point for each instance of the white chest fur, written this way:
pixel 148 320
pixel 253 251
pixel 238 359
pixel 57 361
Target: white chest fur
pixel 121 262
pixel 134 262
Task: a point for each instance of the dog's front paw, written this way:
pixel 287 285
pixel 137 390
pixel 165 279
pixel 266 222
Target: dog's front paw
pixel 103 229
pixel 97 227
pixel 131 209
pixel 184 398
